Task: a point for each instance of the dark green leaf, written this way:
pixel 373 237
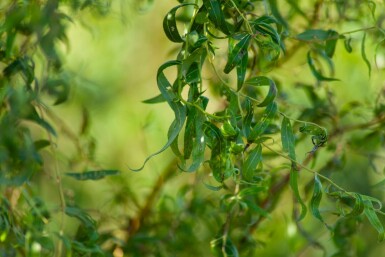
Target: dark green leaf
pixel 347 44
pixel 330 46
pixel 253 191
pixel 247 119
pixel 236 55
pixel 40 144
pixel 216 15
pixel 170 27
pixel 241 70
pixel 287 137
pixel 223 249
pixel 264 81
pixel 316 199
pixel 363 54
pixel 314 70
pixel 317 35
pixel 250 165
pixel 294 186
pixel 92 175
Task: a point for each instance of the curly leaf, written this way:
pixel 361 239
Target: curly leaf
pixel 264 81
pixel 316 199
pixel 179 109
pixel 169 25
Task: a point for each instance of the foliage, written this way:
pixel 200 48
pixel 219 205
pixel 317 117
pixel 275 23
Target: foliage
pixel 233 127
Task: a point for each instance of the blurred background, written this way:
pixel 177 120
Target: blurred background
pixel 112 61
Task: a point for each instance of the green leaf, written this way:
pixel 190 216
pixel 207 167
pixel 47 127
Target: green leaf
pixel 317 35
pixel 264 81
pixel 250 165
pixel 179 110
pixel 260 127
pixel 287 137
pixel 247 119
pixel 216 15
pixel 314 70
pixel 316 199
pixel 92 175
pixel 40 144
pixel 374 220
pixel 347 44
pixel 358 207
pixel 219 162
pixel 241 70
pixel 169 25
pixel 236 55
pixel 363 54
pixel 81 215
pixel 253 190
pixel 331 43
pixel 154 100
pixel 294 186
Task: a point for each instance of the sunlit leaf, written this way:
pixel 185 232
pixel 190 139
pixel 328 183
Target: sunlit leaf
pixel 264 81
pixel 251 163
pixel 154 100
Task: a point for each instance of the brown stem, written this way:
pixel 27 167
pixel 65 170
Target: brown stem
pixel 136 222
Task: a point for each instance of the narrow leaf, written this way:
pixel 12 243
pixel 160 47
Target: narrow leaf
pixel 264 81
pixel 358 207
pixel 314 70
pixel 287 137
pixel 155 100
pixel 92 175
pixel 363 54
pixel 250 165
pixel 241 70
pixel 347 44
pixel 374 220
pixel 294 186
pixel 260 127
pixel 179 109
pixel 317 35
pixel 216 15
pixel 237 53
pixel 316 199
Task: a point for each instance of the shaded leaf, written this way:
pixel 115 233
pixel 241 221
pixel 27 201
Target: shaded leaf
pixel 217 245
pixel 314 70
pixel 347 44
pixel 317 35
pixel 316 199
pixel 260 127
pixel 92 175
pixel 250 165
pixel 363 54
pixel 216 15
pixel 294 186
pixel 287 137
pixel 236 55
pixel 374 220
